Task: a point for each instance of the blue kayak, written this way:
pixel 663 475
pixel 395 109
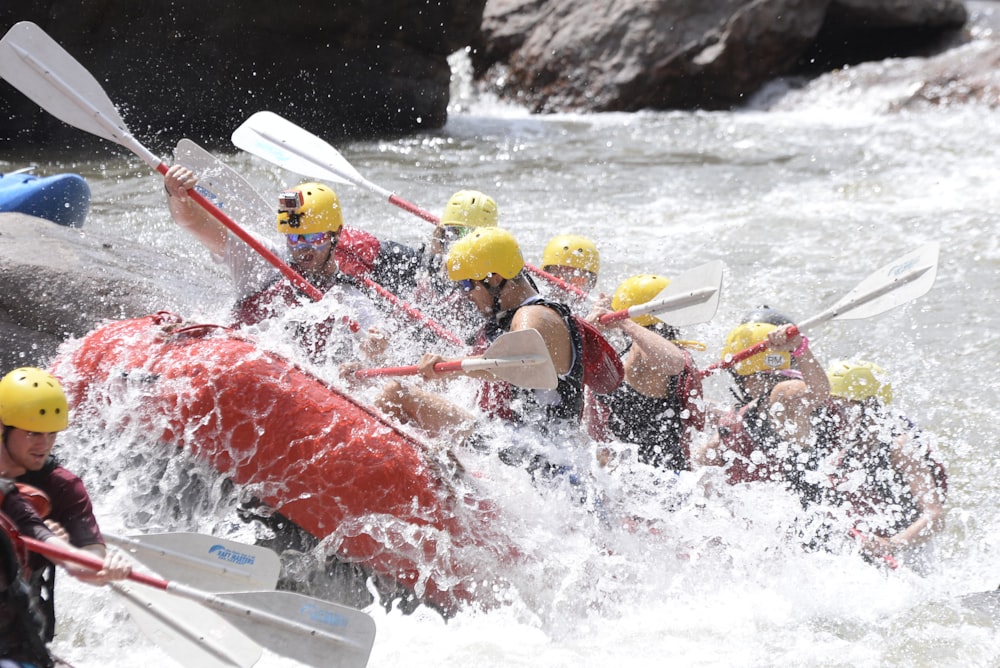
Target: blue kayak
pixel 61 198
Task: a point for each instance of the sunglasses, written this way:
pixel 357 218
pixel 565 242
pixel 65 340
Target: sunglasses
pixel 300 240
pixel 452 232
pixel 467 285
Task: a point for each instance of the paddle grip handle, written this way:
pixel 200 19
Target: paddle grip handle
pixel 743 354
pixel 58 553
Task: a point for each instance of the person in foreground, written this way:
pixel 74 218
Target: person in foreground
pixel 659 406
pixel 882 470
pixel 21 621
pixel 33 410
pixel 772 431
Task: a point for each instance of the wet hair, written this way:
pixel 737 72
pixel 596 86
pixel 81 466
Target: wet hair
pixel 765 313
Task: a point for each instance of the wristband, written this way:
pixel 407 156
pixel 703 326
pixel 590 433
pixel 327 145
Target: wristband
pixel 804 346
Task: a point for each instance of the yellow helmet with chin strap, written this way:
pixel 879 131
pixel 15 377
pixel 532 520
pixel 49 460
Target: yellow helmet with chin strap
pixel 858 381
pixel 484 251
pixel 309 208
pixel 749 334
pixel 470 208
pixel 572 250
pixel 33 400
pixel 639 290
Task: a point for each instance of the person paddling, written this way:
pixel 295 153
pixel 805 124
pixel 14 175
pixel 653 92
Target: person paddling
pixel 574 259
pixel 33 410
pixel 488 265
pixel 22 624
pixel 660 405
pixel 773 428
pixel 311 220
pixel 881 468
pixel 439 296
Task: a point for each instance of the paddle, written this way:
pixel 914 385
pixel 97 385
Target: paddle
pixel 894 284
pixel 228 184
pixel 691 298
pixel 277 140
pixel 309 630
pixel 240 199
pixel 202 561
pixel 36 65
pixel 187 631
pixel 520 358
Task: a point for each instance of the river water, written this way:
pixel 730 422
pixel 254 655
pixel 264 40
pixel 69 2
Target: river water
pixel 801 202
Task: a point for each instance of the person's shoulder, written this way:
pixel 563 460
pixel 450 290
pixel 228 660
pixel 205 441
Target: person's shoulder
pixel 54 478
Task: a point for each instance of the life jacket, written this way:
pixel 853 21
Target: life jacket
pixel 504 401
pixel 865 481
pixel 753 451
pixel 20 619
pixel 662 427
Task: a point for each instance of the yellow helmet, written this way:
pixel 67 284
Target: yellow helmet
pixel 750 334
pixel 858 381
pixel 309 208
pixel 572 250
pixel 33 400
pixel 470 208
pixel 484 251
pixel 639 290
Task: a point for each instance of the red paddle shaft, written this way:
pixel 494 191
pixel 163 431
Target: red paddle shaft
pixel 411 370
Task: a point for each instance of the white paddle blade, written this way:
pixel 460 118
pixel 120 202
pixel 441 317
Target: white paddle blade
pixel 691 298
pixel 205 562
pixel 277 140
pixel 897 283
pixel 187 631
pixel 314 632
pixel 225 186
pixel 521 358
pixel 41 69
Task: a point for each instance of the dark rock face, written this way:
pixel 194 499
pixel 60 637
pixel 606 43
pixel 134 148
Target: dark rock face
pixel 188 68
pixel 669 54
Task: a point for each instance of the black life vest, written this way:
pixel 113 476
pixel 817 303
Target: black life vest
pixel 20 619
pixel 523 405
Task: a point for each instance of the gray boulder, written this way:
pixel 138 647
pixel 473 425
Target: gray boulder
pixel 671 54
pixel 60 282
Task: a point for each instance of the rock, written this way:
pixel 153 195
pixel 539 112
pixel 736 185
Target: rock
pixel 668 54
pixel 185 68
pixel 61 282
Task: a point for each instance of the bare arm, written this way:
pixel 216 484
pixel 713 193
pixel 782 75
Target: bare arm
pixel 792 402
pixel 186 212
pixel 920 480
pixel 652 360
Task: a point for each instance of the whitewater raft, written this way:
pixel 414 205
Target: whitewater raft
pixel 62 198
pixel 329 464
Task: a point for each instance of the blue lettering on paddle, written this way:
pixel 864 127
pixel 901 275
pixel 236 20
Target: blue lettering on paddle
pixel 318 614
pixel 223 553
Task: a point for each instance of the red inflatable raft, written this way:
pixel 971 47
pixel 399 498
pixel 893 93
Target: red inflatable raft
pixel 332 466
